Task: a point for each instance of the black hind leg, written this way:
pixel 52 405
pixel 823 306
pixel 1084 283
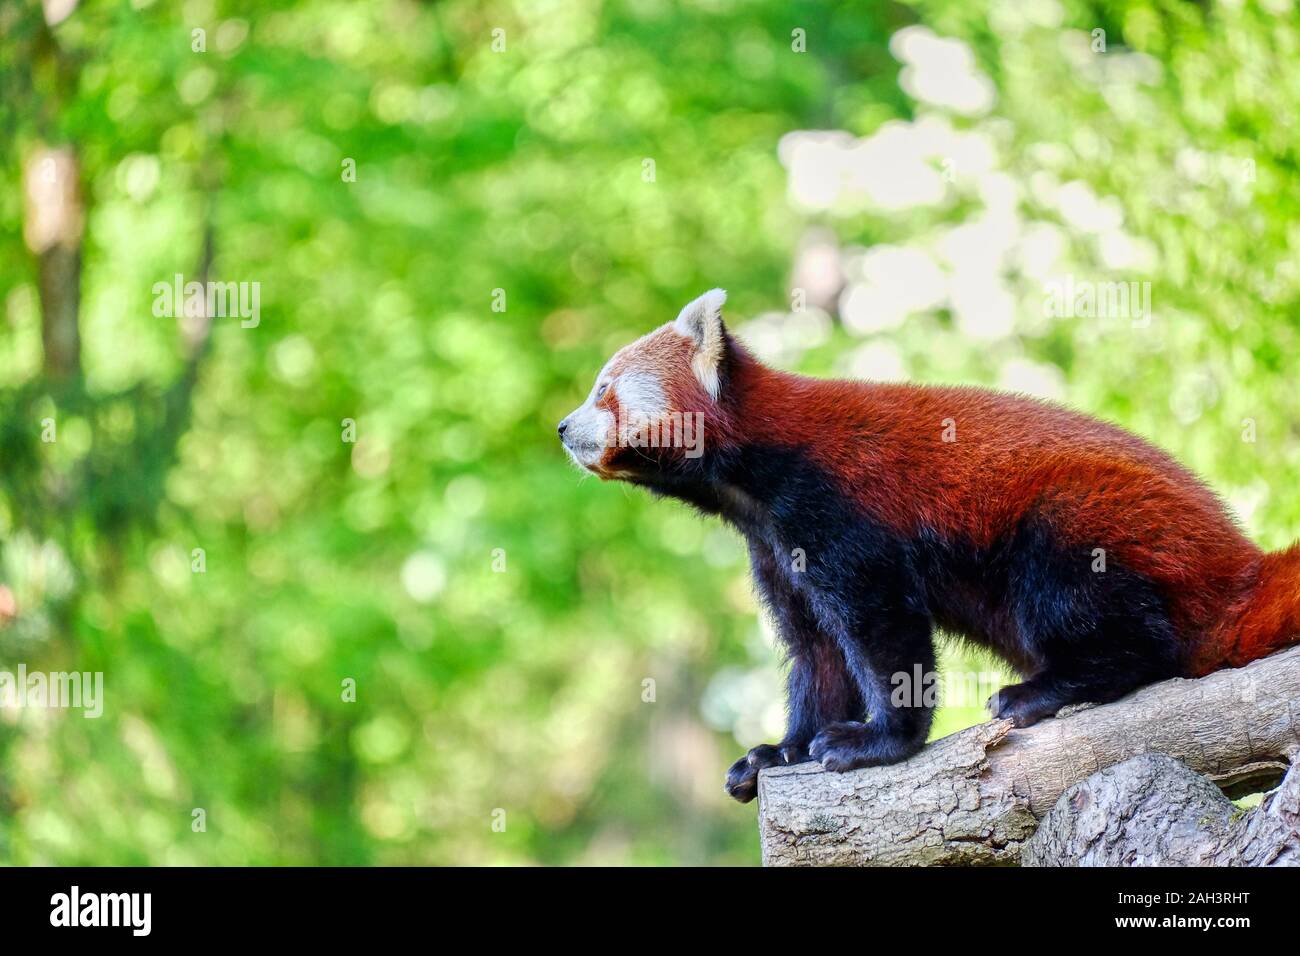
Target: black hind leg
pixel 1095 679
pixel 1029 702
pixel 1098 634
pixel 1045 693
pixel 1126 651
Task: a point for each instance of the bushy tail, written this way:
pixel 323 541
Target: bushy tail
pixel 1269 618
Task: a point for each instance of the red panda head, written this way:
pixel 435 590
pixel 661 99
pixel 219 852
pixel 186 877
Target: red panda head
pixel 648 407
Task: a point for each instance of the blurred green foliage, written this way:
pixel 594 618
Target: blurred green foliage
pixel 499 615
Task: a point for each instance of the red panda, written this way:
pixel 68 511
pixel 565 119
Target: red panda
pixel 876 513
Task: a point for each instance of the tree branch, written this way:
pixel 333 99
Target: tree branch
pixel 976 797
pixel 1153 810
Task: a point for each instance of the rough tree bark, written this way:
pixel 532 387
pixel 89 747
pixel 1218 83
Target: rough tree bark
pixel 1153 810
pixel 977 796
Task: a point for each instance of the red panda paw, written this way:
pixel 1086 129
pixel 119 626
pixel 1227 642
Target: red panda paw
pixel 842 746
pixel 1025 704
pixel 742 778
pixel 851 744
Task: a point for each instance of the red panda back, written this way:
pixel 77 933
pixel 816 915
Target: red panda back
pixel 972 463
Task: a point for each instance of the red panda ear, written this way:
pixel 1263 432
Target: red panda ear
pixel 701 321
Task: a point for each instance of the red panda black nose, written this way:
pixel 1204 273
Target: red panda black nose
pixel 563 425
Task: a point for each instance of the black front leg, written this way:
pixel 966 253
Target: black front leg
pixel 820 694
pixel 819 688
pixel 892 661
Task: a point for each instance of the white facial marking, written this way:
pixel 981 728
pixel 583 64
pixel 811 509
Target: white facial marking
pixel 639 386
pixel 641 404
pixel 641 393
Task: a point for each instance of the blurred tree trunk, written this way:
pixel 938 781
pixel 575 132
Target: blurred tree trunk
pixel 53 210
pixel 53 224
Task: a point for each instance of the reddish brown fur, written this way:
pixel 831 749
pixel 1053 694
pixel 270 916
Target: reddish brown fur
pixel 1099 487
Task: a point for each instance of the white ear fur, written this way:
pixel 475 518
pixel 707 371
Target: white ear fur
pixel 701 321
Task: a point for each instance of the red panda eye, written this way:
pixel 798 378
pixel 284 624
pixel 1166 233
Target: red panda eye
pixel 601 391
